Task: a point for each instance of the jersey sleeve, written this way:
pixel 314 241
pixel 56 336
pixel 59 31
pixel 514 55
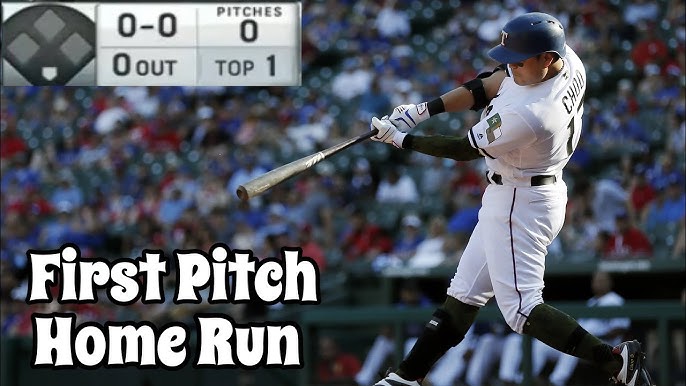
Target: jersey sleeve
pixel 501 133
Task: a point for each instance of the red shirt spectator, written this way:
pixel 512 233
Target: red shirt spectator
pixel 652 49
pixel 310 248
pixel 335 367
pixel 627 242
pixel 364 240
pixel 11 143
pixel 642 192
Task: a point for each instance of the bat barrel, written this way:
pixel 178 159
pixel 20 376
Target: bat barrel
pixel 260 184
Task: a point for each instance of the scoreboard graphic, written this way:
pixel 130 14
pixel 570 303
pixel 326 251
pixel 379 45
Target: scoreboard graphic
pixel 151 44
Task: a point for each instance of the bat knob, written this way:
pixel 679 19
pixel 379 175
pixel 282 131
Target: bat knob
pixel 242 193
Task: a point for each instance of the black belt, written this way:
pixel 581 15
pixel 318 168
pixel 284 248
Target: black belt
pixel 535 180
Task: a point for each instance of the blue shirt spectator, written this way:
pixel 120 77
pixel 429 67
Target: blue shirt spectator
pixel 68 193
pixel 172 208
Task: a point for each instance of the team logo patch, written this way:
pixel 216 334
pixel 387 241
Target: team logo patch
pixel 493 131
pixel 503 36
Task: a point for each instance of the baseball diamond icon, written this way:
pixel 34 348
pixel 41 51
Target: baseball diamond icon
pixel 48 44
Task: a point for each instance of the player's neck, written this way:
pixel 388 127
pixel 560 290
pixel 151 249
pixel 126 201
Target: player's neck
pixel 554 69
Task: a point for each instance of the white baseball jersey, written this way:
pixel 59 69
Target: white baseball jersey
pixel 533 130
pixel 525 131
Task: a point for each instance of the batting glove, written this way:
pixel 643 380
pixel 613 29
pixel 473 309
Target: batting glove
pixel 406 117
pixel 388 133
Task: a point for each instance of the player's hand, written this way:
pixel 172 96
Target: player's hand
pixel 406 117
pixel 388 133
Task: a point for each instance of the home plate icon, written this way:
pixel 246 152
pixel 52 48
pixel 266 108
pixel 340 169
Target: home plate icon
pixel 49 73
pixel 45 45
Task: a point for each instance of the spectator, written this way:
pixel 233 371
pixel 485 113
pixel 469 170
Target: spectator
pixel 397 188
pixel 430 252
pixel 373 100
pixel 310 247
pixel 665 171
pixel 362 240
pixel 404 246
pixel 172 207
pixel 579 232
pixel 11 143
pixel 410 238
pixel 361 182
pixel 277 224
pixel 435 173
pixel 637 11
pixel 626 99
pixel 669 207
pixel 626 242
pixel 391 21
pixel 210 195
pixel 352 82
pixel 650 49
pixel 335 367
pixel 641 192
pixel 464 220
pixel 608 199
pixel 67 193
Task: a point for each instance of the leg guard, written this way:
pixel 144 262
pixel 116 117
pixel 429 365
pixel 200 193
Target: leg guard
pixel 446 329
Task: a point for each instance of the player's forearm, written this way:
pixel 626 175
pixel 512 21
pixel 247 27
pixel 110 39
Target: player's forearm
pixel 457 148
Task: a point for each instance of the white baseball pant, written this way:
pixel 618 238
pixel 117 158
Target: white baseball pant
pixel 505 255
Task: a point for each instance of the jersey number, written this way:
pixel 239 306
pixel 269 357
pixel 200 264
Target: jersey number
pixel 570 141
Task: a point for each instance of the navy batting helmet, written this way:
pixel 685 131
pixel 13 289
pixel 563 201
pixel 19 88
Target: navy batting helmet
pixel 528 35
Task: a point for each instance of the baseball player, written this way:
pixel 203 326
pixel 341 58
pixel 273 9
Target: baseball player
pixel 530 125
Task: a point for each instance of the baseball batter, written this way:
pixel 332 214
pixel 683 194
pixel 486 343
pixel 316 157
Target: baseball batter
pixel 530 125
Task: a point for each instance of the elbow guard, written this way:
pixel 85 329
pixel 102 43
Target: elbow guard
pixel 476 87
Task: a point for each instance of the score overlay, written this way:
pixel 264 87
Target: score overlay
pixel 153 44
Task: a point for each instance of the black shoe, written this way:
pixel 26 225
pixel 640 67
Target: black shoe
pixel 633 371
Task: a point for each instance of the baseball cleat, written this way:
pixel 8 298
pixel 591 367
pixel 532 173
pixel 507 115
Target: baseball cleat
pixel 393 379
pixel 633 371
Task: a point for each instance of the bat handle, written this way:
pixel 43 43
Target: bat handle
pixel 371 133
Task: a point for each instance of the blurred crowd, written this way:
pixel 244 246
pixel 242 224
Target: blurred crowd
pixel 117 170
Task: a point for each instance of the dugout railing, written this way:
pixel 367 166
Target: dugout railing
pixel 664 314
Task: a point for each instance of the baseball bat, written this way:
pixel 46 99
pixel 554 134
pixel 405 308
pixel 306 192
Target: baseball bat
pixel 276 176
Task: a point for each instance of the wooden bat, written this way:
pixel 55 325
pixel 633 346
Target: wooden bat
pixel 276 176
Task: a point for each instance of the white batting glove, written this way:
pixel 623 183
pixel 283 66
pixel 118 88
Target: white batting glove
pixel 406 117
pixel 388 133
